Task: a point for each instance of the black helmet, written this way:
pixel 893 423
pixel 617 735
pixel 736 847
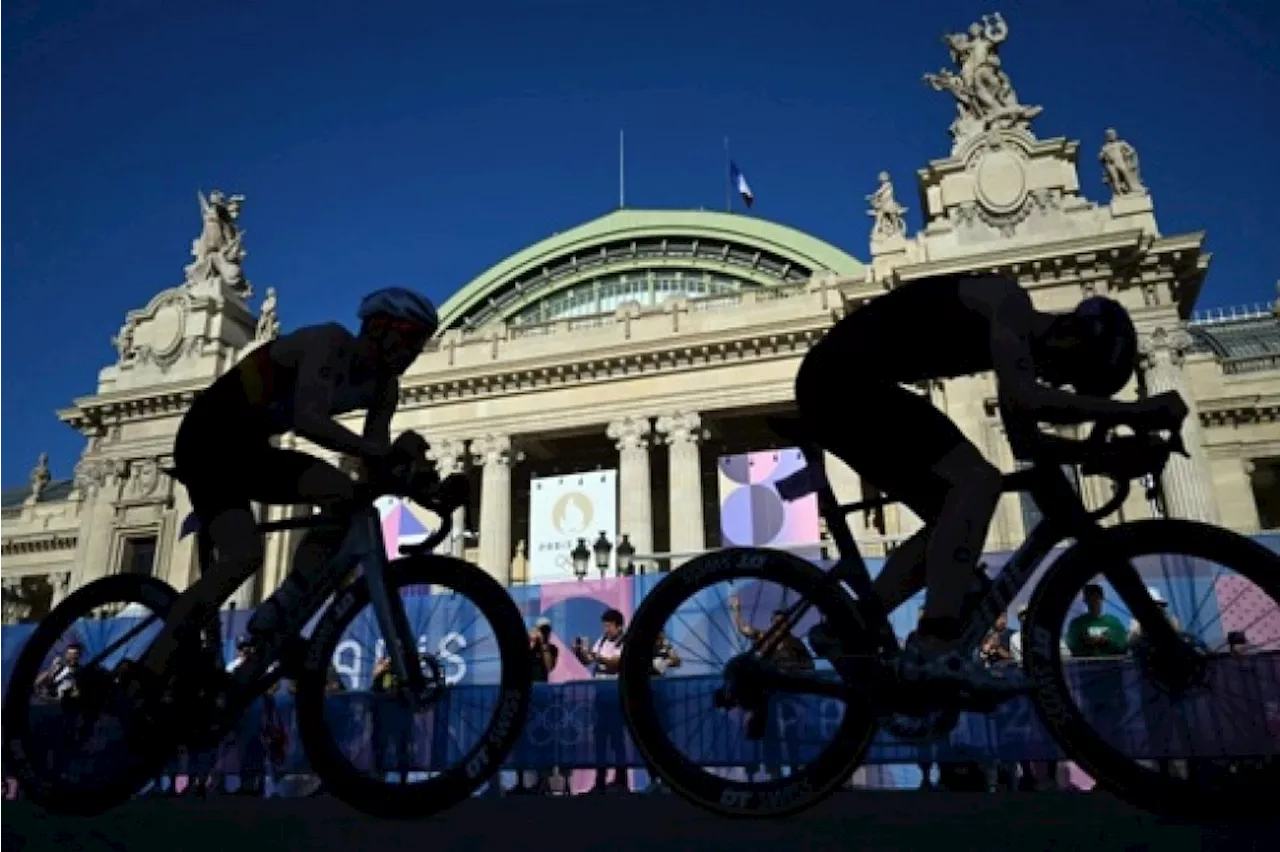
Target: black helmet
pixel 400 304
pixel 1109 347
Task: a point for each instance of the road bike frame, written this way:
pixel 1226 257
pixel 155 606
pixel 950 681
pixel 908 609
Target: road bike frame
pixel 362 545
pixel 1064 517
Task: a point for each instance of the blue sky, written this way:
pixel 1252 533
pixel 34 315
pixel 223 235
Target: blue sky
pixel 422 143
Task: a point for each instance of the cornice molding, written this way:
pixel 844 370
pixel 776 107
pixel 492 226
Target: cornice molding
pixel 43 542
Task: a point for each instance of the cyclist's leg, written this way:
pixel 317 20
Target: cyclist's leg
pixel 908 448
pixel 289 477
pixel 221 480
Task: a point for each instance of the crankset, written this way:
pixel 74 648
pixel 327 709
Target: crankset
pixel 929 727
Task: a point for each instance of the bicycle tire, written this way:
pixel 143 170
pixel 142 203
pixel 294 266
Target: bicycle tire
pixel 1049 606
pixel 48 795
pixel 728 797
pixel 484 759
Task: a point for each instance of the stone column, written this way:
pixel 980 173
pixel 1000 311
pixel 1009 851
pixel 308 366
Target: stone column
pixel 450 456
pixel 635 485
pixel 493 454
pixel 681 432
pixel 1187 487
pixel 61 582
pixel 99 481
pixel 1233 484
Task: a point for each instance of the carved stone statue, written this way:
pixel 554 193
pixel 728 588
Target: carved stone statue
pixel 40 476
pixel 520 564
pixel 1120 165
pixel 219 250
pixel 268 324
pixel 123 342
pixel 887 211
pixel 984 96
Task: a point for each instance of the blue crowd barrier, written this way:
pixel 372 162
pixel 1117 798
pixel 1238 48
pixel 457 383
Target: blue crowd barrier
pixel 580 725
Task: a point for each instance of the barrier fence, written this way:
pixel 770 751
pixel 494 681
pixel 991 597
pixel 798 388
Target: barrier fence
pixel 580 726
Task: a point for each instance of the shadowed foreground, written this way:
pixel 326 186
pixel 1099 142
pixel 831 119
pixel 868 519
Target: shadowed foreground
pixel 861 821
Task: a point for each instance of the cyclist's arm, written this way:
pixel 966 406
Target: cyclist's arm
pixel 313 402
pixel 1021 395
pixel 377 423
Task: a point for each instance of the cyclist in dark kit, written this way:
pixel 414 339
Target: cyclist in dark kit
pixel 223 453
pixel 947 327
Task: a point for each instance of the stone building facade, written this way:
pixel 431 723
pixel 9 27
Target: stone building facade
pixel 654 341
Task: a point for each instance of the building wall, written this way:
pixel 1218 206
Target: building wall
pixel 656 380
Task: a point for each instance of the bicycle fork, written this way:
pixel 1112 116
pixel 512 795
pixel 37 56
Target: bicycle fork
pixel 402 646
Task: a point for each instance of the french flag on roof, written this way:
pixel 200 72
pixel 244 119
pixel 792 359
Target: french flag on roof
pixel 739 182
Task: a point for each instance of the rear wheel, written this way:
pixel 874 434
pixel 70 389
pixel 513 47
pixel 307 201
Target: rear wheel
pixel 1201 740
pixel 702 726
pixel 70 732
pixel 358 727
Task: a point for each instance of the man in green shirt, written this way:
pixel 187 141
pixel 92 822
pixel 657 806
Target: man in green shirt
pixel 1096 634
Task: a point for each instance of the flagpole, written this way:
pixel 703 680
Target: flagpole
pixel 728 179
pixel 622 170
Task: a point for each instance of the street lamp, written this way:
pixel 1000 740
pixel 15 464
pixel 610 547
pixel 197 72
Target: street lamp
pixel 603 547
pixel 581 558
pixel 626 551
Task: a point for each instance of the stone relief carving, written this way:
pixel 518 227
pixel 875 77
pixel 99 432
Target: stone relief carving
pixel 450 456
pixel 92 474
pixel 166 341
pixel 219 250
pixel 630 433
pixel 1120 167
pixel 146 476
pixel 123 342
pixel 984 96
pixel 887 212
pixel 40 477
pixel 268 325
pixel 491 449
pixel 1163 347
pixel 682 428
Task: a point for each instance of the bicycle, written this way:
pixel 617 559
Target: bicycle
pixel 864 672
pixel 157 732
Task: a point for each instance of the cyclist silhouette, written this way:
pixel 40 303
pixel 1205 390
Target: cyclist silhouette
pixel 224 457
pixel 947 327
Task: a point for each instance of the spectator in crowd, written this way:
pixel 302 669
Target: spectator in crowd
pixel 543 656
pixel 603 658
pixel 789 653
pixel 392 724
pixel 1031 771
pixel 665 658
pixel 59 680
pixel 1101 639
pixel 996 651
pixel 997 648
pixel 1096 633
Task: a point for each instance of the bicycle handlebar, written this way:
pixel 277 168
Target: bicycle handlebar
pixel 1124 458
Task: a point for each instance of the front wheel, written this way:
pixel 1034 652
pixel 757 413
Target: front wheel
pixel 390 754
pixel 1199 739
